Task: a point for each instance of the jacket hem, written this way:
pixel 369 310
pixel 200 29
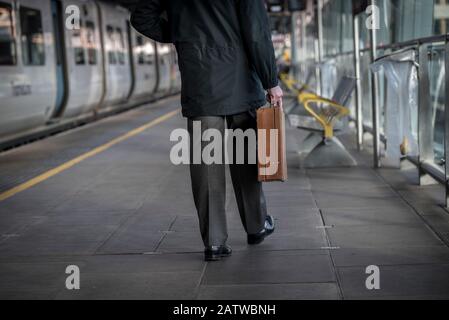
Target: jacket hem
pixel 209 112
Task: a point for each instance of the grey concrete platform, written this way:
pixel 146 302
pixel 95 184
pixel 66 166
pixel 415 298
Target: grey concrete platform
pixel 126 218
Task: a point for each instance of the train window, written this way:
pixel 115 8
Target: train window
pixel 120 45
pixel 111 45
pixel 150 59
pixel 140 50
pixel 78 47
pixel 7 42
pixel 33 44
pixel 150 55
pixel 90 43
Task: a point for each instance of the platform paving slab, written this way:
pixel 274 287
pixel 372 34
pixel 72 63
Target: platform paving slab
pixel 271 267
pixel 402 280
pixel 391 215
pixel 385 256
pixel 126 217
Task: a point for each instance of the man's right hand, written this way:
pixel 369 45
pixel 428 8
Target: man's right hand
pixel 275 96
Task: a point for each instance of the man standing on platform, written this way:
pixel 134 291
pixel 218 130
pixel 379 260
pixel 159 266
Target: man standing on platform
pixel 228 69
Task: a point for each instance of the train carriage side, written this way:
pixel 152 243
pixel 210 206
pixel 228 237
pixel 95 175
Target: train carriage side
pixel 28 84
pixel 51 71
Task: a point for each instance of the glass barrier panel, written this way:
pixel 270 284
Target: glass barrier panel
pixel 437 95
pixel 365 62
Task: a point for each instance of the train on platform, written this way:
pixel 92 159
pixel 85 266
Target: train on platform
pixel 65 60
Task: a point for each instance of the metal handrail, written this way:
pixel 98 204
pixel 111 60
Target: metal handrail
pixel 395 45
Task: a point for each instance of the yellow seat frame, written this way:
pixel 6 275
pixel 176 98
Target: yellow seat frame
pixel 326 116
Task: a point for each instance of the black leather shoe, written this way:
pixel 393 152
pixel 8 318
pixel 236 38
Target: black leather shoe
pixel 258 238
pixel 215 253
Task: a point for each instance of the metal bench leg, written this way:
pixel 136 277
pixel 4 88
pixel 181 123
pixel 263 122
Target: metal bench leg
pixel 329 153
pixel 310 142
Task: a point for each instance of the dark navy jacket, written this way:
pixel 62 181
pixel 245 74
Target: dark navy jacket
pixel 226 55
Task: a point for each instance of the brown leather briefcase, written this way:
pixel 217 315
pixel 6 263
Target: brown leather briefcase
pixel 271 144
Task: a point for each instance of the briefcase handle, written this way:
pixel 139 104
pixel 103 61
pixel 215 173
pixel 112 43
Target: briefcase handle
pixel 272 105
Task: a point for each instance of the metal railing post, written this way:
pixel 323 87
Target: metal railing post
pixel 375 96
pixel 358 88
pixel 425 121
pixel 304 53
pixel 446 122
pixel 320 44
pixel 294 43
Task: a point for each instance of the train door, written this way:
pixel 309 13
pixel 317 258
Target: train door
pixel 163 54
pixel 176 73
pixel 144 66
pixel 117 59
pixel 60 57
pixel 131 58
pixel 84 60
pixel 158 69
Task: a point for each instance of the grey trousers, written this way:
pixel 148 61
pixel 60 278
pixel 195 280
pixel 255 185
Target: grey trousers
pixel 209 184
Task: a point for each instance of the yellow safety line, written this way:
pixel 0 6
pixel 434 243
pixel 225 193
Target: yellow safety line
pixel 45 176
